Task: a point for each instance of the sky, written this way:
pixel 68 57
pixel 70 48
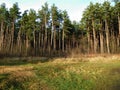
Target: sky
pixel 74 8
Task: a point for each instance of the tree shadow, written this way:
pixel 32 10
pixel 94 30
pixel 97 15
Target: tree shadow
pixel 14 61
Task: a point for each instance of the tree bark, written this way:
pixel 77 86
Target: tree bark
pixel 54 44
pixel 119 22
pixel 88 37
pixel 45 32
pixel 19 42
pixel 39 42
pixel 101 42
pixel 94 37
pixel 27 45
pixel 12 36
pixel 119 30
pixel 59 39
pixel 1 35
pixel 52 30
pixel 107 36
pixel 34 42
pixel 101 39
pixel 63 40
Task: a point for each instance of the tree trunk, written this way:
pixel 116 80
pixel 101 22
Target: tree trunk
pixel 42 43
pixel 52 30
pixel 1 35
pixel 27 45
pixel 39 42
pixel 45 32
pixel 119 22
pixel 88 37
pixel 9 42
pixel 119 30
pixel 107 36
pixel 101 42
pixel 12 36
pixel 19 42
pixel 101 39
pixel 6 39
pixel 94 37
pixel 54 44
pixel 34 42
pixel 59 39
pixel 63 40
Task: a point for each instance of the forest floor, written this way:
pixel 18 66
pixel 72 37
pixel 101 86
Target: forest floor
pixel 83 73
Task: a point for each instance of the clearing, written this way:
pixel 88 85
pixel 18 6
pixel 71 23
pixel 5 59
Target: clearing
pixel 86 73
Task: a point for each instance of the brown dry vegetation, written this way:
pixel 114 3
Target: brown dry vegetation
pixel 88 58
pixel 87 72
pixel 13 69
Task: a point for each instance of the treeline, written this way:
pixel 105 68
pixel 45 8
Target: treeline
pixel 102 25
pixel 50 32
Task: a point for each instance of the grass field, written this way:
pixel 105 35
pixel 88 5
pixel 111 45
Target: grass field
pixel 96 73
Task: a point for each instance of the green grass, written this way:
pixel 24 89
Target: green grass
pixel 60 75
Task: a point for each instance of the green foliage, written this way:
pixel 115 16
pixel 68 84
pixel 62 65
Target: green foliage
pixel 2 12
pixel 55 13
pixel 14 12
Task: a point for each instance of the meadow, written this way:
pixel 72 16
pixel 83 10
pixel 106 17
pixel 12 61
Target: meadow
pixel 39 73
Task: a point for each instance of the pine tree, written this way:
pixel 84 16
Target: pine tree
pixel 14 15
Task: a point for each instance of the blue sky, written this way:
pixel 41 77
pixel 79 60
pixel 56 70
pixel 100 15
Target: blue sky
pixel 74 8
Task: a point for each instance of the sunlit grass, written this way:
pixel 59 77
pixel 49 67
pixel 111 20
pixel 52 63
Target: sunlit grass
pixel 61 74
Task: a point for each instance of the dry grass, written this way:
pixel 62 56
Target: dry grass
pixel 17 76
pixel 97 58
pixel 82 73
pixel 12 69
pixel 104 59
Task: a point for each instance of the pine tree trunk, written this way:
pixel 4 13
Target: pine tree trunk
pixel 73 41
pixel 34 42
pixel 52 34
pixel 54 47
pixel 39 42
pixel 12 36
pixel 6 39
pixel 42 43
pixel 119 30
pixel 92 45
pixel 63 40
pixel 94 37
pixel 27 45
pixel 19 42
pixel 9 42
pixel 45 32
pixel 88 37
pixel 119 23
pixel 107 36
pixel 101 39
pixel 101 43
pixel 59 39
pixel 1 36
